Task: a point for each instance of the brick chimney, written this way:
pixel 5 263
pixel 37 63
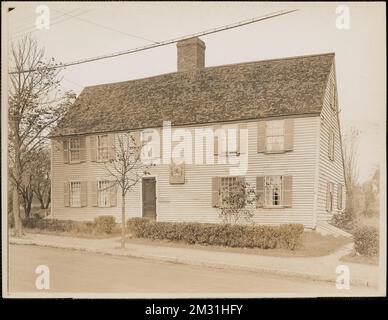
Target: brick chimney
pixel 191 54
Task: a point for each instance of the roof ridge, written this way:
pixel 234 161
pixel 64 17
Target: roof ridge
pixel 218 66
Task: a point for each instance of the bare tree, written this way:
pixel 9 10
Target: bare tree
pixel 238 203
pixel 350 151
pixel 36 102
pixel 127 169
pixel 41 183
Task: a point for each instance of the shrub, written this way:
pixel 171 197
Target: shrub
pixel 104 224
pixel 343 220
pixel 265 237
pixel 49 224
pixel 366 241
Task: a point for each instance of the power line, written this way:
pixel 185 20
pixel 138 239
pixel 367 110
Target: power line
pixel 19 34
pixel 30 24
pixel 106 27
pixel 166 42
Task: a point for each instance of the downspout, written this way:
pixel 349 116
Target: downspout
pixel 316 175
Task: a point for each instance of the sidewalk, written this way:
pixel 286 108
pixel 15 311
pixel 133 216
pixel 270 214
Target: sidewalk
pixel 313 268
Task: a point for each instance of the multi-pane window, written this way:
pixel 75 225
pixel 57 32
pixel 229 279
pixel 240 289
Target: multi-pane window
pixel 273 190
pixel 331 143
pixel 275 135
pixel 103 193
pixel 232 191
pixel 102 147
pixel 75 194
pixel 330 197
pixel 74 149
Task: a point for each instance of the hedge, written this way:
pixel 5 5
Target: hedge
pixel 243 236
pixel 100 225
pixel 366 241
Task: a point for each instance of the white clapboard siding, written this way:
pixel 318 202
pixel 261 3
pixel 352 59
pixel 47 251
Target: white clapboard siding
pixel 329 171
pixel 192 201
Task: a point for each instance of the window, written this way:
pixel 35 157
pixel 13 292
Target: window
pixel 75 194
pixel 275 135
pixel 102 148
pixel 339 197
pixel 232 191
pixel 75 147
pixel 273 191
pixel 331 144
pixel 103 193
pixel 329 197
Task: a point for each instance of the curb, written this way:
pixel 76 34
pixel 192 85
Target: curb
pixel 268 271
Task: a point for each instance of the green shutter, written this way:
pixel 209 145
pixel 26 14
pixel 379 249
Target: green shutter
pixel 93 148
pixel 66 194
pixel 339 197
pixel 82 150
pixel 287 191
pixel 66 151
pixel 111 146
pixel 84 194
pixel 94 193
pixel 113 194
pixel 215 191
pixel 261 136
pixel 242 139
pixel 288 134
pixel 216 141
pixel 259 192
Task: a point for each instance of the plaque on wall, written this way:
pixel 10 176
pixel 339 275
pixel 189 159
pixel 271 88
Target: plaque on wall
pixel 177 173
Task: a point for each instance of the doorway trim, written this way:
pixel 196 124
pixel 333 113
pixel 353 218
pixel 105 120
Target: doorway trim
pixel 156 194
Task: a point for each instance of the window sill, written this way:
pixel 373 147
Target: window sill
pixel 274 207
pixel 275 152
pixel 75 162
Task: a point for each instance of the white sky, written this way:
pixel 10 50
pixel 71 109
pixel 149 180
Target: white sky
pixel 360 50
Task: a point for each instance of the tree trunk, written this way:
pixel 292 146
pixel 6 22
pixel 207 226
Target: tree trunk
pixel 16 212
pixel 123 221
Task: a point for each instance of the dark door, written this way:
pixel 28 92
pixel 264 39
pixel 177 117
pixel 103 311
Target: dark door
pixel 149 198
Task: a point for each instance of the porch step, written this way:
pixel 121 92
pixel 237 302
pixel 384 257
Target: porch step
pixel 325 228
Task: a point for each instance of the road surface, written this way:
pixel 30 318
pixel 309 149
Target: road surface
pixel 81 272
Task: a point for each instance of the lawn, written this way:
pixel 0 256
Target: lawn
pixel 354 258
pixel 312 245
pixel 74 233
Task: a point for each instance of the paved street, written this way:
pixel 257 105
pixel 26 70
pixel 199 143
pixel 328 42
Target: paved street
pixel 81 272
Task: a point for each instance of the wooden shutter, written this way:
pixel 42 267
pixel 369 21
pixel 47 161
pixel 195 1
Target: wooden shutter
pixel 66 194
pixel 66 151
pixel 216 140
pixel 259 192
pixel 113 195
pixel 287 191
pixel 82 149
pixel 328 197
pixel 241 126
pixel 288 134
pixel 215 191
pixel 84 194
pixel 261 136
pixel 331 143
pixel 111 147
pixel 339 197
pixel 93 148
pixel 94 193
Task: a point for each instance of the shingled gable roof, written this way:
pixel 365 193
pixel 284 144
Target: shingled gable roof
pixel 252 90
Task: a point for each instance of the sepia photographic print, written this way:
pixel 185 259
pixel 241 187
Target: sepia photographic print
pixel 193 150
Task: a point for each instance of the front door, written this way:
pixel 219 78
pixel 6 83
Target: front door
pixel 149 198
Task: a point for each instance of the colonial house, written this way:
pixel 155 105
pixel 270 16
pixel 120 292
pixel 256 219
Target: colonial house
pixel 288 108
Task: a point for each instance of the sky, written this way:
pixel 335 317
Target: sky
pixel 80 30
